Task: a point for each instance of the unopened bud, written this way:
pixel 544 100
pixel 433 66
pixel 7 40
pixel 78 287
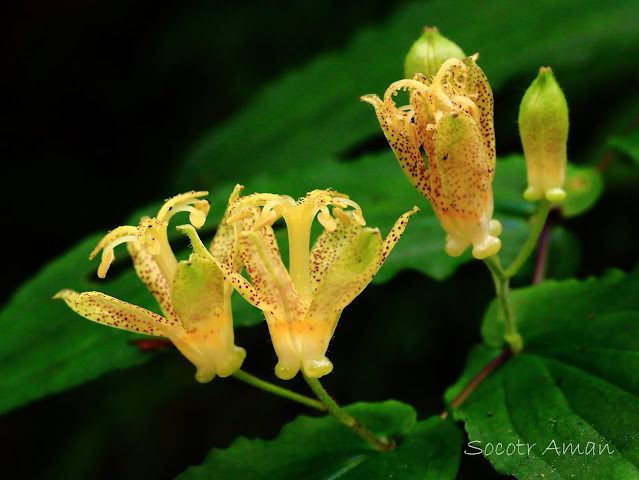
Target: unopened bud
pixel 543 128
pixel 429 52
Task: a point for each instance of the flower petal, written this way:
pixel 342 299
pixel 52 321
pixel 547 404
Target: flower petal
pixel 151 275
pixel 240 283
pixel 198 293
pixel 401 133
pixel 479 90
pixel 271 280
pixel 203 302
pixel 466 179
pixel 224 244
pixel 107 310
pixel 347 276
pixel 330 244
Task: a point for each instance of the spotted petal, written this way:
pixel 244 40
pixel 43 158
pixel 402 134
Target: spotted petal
pixel 203 303
pixel 330 244
pixel 107 310
pixel 151 275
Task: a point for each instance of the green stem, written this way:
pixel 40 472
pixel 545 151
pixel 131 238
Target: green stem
pixel 381 444
pixel 531 242
pixel 502 281
pixel 282 392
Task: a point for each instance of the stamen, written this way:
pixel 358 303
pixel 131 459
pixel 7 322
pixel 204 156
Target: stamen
pixel 239 216
pixel 265 220
pixel 173 204
pixel 468 105
pixel 108 256
pixel 325 218
pixel 341 216
pixel 149 234
pixel 113 236
pixel 357 212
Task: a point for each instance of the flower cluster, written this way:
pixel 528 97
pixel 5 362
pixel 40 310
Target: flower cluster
pixel 449 119
pixel 301 304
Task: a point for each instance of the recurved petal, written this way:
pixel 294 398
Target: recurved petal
pixel 224 244
pixel 401 134
pixel 198 293
pixel 151 275
pixel 107 310
pixel 395 234
pixel 479 90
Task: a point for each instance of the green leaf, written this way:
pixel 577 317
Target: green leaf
pixel 322 449
pixel 583 187
pixel 577 382
pixel 628 144
pixel 313 113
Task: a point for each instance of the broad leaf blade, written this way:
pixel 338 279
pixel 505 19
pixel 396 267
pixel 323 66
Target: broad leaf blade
pixel 323 449
pixel 576 383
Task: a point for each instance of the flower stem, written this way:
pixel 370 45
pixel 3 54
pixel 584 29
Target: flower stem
pixel 542 253
pixel 531 242
pixel 381 444
pixel 501 281
pixel 282 392
pixel 478 379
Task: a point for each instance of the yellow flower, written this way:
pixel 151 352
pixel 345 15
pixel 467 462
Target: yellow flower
pixel 193 295
pixel 302 305
pixel 451 118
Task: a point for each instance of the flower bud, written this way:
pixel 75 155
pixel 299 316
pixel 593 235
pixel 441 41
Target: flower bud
pixel 543 128
pixel 429 52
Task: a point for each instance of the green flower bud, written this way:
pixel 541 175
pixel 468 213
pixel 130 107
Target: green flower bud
pixel 543 128
pixel 429 52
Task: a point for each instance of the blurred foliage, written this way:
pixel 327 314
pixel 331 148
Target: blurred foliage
pixel 123 103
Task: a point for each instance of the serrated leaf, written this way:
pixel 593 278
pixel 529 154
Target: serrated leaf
pixel 322 449
pixel 313 113
pixel 576 383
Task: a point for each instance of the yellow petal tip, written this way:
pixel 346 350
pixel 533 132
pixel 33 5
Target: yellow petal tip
pixel 488 247
pixel 532 194
pixel 285 370
pixel 317 368
pixel 555 195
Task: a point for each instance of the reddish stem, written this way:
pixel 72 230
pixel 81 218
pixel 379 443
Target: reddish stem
pixel 478 379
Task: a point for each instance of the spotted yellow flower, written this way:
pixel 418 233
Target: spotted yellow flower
pixel 449 119
pixel 193 295
pixel 302 305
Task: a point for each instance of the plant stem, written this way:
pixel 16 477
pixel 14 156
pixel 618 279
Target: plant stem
pixel 542 253
pixel 282 392
pixel 478 379
pixel 381 444
pixel 529 246
pixel 501 281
